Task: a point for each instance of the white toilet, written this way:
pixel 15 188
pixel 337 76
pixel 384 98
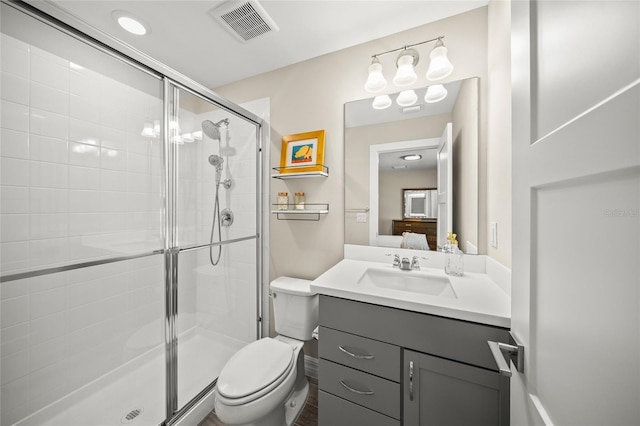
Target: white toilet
pixel 264 383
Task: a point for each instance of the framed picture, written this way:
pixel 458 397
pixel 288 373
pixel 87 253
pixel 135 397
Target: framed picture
pixel 302 152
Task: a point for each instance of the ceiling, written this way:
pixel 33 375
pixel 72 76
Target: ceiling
pixel 185 36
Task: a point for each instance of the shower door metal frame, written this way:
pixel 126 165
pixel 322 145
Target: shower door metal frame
pixel 172 250
pixel 54 16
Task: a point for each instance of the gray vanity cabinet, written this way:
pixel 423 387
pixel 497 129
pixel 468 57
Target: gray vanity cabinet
pixel 383 366
pixel 443 392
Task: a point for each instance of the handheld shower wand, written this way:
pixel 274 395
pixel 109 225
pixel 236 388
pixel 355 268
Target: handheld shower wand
pixel 212 130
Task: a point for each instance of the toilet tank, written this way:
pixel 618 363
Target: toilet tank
pixel 295 307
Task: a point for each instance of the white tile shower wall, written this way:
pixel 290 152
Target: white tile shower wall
pixel 77 182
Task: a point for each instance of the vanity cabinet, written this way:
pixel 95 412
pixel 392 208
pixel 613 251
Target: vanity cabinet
pixel 386 366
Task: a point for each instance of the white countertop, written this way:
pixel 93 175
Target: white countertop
pixel 479 298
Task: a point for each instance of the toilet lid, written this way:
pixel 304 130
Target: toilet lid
pixel 259 365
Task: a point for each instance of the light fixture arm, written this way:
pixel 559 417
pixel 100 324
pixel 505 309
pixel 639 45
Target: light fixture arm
pixel 439 39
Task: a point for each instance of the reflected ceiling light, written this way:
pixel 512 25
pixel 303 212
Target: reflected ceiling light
pixel 197 135
pixel 147 130
pixel 406 75
pixel 435 93
pixel 440 66
pixel 376 81
pixel 188 137
pixel 411 157
pixel 130 23
pixel 382 102
pixel 407 98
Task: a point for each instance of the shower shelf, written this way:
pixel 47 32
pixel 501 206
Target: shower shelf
pixel 311 209
pixel 295 175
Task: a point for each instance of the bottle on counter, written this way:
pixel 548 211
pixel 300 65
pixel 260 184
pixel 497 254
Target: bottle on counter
pixel 454 260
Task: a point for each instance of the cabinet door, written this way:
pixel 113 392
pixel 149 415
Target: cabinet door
pixel 438 391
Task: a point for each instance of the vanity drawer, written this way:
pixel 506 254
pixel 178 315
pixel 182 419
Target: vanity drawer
pixel 371 356
pixel 339 412
pixel 356 386
pixel 416 331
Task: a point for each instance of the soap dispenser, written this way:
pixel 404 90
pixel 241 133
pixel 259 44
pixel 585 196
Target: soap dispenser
pixel 454 258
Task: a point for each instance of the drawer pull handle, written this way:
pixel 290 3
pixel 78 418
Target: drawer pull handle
pixel 368 356
pixel 410 380
pixel 359 392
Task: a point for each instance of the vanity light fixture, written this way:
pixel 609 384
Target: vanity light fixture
pixel 406 75
pixel 407 98
pixel 376 81
pixel 381 102
pixel 130 23
pixel 439 66
pixel 411 157
pixel 435 93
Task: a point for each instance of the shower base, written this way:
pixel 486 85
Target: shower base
pixel 135 393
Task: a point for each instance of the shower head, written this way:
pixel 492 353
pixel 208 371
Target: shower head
pixel 212 129
pixel 216 161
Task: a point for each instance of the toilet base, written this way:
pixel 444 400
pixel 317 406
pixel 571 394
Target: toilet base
pixel 295 403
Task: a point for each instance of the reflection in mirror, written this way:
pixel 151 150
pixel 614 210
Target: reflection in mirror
pixel 376 174
pixel 420 203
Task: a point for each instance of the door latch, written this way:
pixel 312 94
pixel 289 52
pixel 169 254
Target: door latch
pixel 515 352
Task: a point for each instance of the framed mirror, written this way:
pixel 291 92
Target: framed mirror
pixel 420 203
pixel 370 135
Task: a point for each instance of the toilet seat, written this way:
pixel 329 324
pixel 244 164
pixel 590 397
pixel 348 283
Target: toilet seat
pixel 255 370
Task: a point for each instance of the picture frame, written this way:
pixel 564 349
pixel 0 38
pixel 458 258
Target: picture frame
pixel 302 152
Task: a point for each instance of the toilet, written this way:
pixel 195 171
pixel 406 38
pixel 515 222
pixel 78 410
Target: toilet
pixel 264 382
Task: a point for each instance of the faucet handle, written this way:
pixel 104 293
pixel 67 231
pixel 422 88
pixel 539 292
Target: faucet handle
pixel 415 264
pixel 396 259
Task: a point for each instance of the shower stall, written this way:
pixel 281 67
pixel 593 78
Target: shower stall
pixel 130 232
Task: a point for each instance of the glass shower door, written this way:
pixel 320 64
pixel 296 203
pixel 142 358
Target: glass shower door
pixel 82 276
pixel 216 192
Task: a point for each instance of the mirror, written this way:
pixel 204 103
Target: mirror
pixel 420 203
pixel 376 175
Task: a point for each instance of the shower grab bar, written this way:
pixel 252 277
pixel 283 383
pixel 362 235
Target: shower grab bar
pixel 364 210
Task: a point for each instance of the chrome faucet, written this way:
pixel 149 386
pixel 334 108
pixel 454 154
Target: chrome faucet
pixel 405 265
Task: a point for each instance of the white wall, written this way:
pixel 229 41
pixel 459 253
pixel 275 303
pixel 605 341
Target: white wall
pixel 310 95
pixel 498 152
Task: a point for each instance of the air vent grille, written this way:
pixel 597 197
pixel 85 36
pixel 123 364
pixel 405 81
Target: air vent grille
pixel 244 20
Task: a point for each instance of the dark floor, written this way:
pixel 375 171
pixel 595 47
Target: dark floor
pixel 308 417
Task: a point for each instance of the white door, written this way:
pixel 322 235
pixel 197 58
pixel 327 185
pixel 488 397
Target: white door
pixel 576 217
pixel 445 185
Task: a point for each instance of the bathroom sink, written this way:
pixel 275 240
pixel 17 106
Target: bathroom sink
pixel 409 281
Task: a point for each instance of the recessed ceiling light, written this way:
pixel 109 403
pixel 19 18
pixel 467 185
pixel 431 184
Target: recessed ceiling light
pixel 130 23
pixel 411 157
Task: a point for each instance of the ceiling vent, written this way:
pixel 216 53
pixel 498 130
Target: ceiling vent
pixel 245 20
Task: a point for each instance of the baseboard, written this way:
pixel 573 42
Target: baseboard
pixel 311 367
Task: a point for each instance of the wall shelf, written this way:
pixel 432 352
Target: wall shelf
pixel 312 212
pixel 279 174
